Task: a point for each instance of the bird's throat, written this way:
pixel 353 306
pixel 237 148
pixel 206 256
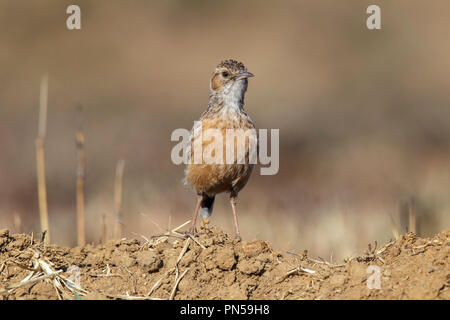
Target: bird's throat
pixel 231 98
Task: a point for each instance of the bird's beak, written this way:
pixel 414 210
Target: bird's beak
pixel 244 75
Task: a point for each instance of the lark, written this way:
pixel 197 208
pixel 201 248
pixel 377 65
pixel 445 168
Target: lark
pixel 225 111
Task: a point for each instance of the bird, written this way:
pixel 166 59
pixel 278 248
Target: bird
pixel 225 111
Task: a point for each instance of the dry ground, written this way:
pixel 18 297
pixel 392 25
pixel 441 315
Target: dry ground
pixel 214 266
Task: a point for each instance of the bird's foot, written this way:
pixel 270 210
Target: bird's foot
pixel 191 232
pixel 238 237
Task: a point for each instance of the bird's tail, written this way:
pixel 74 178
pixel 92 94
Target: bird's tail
pixel 206 206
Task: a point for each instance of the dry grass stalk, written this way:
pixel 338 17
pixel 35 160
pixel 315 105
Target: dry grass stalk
pixel 108 273
pixel 180 226
pixel 81 176
pixel 183 251
pixel 177 277
pixel 42 270
pixel 197 242
pixel 156 239
pixel 412 217
pixel 157 283
pixel 394 228
pixel 104 229
pixel 118 198
pixel 128 297
pixel 28 280
pixel 172 294
pixel 40 158
pixel 295 271
pixel 328 264
pixel 315 261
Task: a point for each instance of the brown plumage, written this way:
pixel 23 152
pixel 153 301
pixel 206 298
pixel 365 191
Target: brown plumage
pixel 225 112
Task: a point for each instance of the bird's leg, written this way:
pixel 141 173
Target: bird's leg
pixel 193 229
pixel 233 205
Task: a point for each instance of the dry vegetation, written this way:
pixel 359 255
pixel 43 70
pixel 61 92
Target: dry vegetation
pixel 364 152
pixel 213 266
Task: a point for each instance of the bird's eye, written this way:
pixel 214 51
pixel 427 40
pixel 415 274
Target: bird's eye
pixel 225 74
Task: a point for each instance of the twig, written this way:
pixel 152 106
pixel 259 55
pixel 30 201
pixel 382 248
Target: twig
pixel 155 286
pixel 172 233
pixel 412 216
pixel 145 238
pixel 127 297
pixel 166 235
pixel 197 242
pixel 181 226
pixel 322 261
pixel 118 198
pixel 32 280
pixel 104 275
pixel 183 251
pixel 394 228
pixel 81 176
pixel 104 229
pixel 40 158
pixel 383 248
pixel 21 265
pixel 44 234
pixel 282 278
pixel 172 294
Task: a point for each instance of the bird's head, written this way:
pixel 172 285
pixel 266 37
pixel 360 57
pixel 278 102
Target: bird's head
pixel 229 80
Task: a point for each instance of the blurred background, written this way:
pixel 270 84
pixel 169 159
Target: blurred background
pixel 364 116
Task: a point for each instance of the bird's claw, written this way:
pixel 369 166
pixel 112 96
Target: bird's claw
pixel 191 232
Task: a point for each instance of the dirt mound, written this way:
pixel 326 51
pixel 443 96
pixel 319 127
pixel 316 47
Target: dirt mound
pixel 214 266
